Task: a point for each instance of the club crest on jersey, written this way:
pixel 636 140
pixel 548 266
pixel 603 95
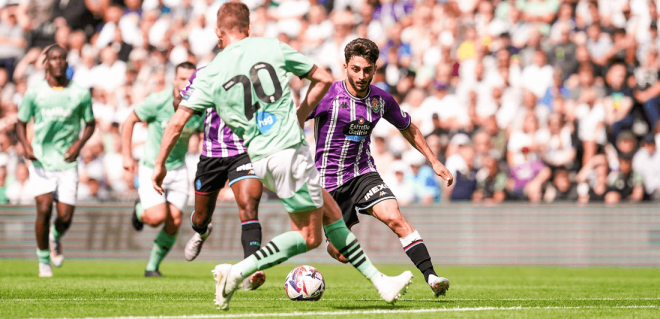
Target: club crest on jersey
pixel 376 104
pixel 358 130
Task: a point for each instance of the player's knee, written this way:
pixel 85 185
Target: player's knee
pixel 313 240
pixel 248 209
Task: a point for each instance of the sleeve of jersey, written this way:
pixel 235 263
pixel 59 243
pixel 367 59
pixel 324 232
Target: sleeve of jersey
pixel 395 115
pixel 146 111
pixel 26 110
pixel 294 61
pixel 87 113
pixel 197 96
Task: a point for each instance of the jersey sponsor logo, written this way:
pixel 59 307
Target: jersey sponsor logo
pixel 56 112
pixel 265 121
pixel 376 104
pixel 358 130
pixel 244 167
pixel 378 189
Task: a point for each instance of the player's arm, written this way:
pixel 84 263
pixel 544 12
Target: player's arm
pixel 127 141
pixel 416 139
pixel 21 129
pixel 170 137
pixel 321 82
pixel 72 153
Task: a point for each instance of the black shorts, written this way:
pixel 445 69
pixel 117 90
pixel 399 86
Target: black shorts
pixel 359 194
pixel 214 172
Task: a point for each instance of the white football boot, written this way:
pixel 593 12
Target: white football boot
pixel 255 281
pixel 55 245
pixel 439 285
pixel 45 270
pixel 194 245
pixel 391 288
pixel 226 284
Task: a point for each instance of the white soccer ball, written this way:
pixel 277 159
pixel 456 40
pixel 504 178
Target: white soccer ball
pixel 304 283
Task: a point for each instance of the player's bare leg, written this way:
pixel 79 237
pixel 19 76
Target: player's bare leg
pixel 201 223
pixel 60 226
pixel 154 216
pixel 388 212
pixel 41 228
pixel 247 193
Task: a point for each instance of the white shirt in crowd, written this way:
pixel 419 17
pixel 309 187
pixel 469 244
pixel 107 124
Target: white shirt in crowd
pixel 590 122
pixel 648 165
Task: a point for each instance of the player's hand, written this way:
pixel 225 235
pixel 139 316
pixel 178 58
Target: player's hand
pixel 128 164
pixel 443 172
pixel 157 178
pixel 72 153
pixel 29 153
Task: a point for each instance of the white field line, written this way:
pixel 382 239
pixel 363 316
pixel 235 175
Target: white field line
pixel 368 312
pixel 327 299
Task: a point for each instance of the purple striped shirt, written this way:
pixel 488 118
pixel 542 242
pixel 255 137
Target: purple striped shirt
pixel 219 140
pixel 343 128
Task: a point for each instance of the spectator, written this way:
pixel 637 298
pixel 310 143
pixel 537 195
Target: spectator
pixel 537 77
pixel 491 183
pixel 647 164
pixel 465 179
pixel 18 191
pixel 527 176
pixel 402 187
pixel 592 181
pixel 426 188
pixel 12 39
pixel 626 185
pixel 562 189
pixel 556 143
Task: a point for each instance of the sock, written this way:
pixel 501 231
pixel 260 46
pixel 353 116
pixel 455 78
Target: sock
pixel 161 247
pixel 43 256
pixel 56 234
pixel 139 210
pixel 275 252
pixel 348 246
pixel 414 247
pixel 250 237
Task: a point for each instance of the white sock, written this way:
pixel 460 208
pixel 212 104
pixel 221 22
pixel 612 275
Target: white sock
pixel 432 278
pixel 411 238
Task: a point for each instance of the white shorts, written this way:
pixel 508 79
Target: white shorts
pixel 64 183
pixel 175 186
pixel 292 175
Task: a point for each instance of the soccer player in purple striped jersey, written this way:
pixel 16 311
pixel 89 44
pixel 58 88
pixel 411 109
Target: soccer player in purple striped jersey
pixel 224 159
pixel 344 120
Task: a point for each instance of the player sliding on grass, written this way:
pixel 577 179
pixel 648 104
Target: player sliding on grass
pixel 344 120
pixel 154 208
pixel 224 159
pixel 247 84
pixel 58 106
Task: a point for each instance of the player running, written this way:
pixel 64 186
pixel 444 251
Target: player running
pixel 58 106
pixel 344 120
pixel 247 84
pixel 224 159
pixel 154 208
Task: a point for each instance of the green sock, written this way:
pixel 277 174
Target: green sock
pixel 348 246
pixel 162 246
pixel 275 252
pixel 139 210
pixel 43 256
pixel 54 231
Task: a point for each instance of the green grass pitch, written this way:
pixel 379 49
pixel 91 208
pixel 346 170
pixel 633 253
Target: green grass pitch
pixel 114 288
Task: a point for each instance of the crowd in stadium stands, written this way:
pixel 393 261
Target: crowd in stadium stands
pixel 523 100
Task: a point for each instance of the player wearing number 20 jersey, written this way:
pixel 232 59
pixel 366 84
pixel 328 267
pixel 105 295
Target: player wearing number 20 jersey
pixel 247 84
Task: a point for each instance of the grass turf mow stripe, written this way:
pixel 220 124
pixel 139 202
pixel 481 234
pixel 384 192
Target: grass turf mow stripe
pixel 368 312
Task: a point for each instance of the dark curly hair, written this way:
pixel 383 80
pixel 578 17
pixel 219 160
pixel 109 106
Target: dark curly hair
pixel 362 47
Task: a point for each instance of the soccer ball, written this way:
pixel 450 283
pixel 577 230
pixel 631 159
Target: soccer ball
pixel 304 283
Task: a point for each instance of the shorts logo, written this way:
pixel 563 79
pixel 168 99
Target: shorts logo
pixel 376 190
pixel 376 104
pixel 198 184
pixel 244 167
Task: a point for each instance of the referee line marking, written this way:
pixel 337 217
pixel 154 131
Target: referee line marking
pixel 367 312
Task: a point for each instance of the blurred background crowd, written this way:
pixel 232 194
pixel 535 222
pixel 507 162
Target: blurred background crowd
pixel 523 100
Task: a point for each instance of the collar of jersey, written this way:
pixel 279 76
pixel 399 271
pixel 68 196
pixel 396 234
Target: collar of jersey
pixel 343 84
